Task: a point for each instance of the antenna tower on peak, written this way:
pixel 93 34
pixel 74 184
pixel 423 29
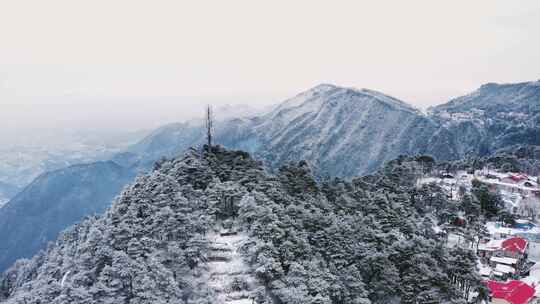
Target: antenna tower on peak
pixel 209 121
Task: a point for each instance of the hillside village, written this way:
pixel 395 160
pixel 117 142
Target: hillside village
pixel 508 252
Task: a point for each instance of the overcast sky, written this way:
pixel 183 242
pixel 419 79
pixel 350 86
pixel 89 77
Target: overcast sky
pixel 138 64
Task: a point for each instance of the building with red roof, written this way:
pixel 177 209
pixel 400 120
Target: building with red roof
pixel 514 247
pixel 506 257
pixel 515 178
pixel 515 244
pixel 510 292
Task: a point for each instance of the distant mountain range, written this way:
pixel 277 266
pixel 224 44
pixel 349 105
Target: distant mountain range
pixel 495 98
pixel 54 201
pixel 340 132
pixel 493 117
pixel 346 132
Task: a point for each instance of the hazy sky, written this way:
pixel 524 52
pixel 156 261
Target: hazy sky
pixel 138 64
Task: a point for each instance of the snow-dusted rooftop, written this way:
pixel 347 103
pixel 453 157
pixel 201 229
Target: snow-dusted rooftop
pixel 503 260
pixel 492 245
pixel 504 268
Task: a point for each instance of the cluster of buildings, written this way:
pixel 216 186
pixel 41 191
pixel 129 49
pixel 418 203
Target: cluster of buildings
pixel 506 269
pixel 520 192
pixel 503 258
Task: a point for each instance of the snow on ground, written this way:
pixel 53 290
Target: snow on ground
pixel 512 194
pixel 455 239
pixel 534 278
pixel 230 277
pixel 534 252
pixel 437 229
pixel 449 185
pixel 484 270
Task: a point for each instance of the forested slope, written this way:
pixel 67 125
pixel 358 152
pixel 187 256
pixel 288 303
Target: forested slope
pixel 366 241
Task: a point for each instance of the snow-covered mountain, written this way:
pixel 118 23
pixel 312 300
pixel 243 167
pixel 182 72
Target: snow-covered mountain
pixel 172 139
pixel 495 98
pixel 493 117
pixel 165 141
pixel 339 131
pixel 346 132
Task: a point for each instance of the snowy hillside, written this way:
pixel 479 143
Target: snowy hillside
pixel 218 228
pixel 342 131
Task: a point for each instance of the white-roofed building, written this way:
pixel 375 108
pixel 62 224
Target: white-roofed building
pixel 503 260
pixel 505 269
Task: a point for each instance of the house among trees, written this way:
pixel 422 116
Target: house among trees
pixel 514 183
pixel 459 221
pixel 505 257
pixel 514 247
pixel 515 178
pixel 511 292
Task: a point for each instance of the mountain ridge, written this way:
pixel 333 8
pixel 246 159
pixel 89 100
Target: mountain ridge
pixel 339 131
pixel 256 133
pixel 504 94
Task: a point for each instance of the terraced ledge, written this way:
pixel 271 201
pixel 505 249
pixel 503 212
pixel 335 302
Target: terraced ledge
pixel 230 278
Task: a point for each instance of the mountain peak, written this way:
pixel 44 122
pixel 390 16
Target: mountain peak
pixel 336 97
pixel 388 99
pixel 326 88
pixel 517 85
pixel 323 87
pixel 489 85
